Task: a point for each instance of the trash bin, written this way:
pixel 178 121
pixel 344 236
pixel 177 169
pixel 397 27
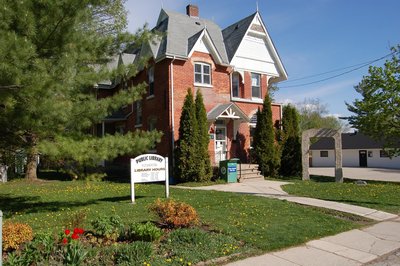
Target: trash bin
pixel 228 170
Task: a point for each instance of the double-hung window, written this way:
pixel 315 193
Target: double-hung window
pixel 202 73
pixel 139 114
pixel 235 85
pixel 255 85
pixel 151 81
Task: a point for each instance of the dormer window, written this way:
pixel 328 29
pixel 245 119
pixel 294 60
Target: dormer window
pixel 255 85
pixel 202 73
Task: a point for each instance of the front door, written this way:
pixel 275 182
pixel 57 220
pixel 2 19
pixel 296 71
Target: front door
pixel 363 158
pixel 220 143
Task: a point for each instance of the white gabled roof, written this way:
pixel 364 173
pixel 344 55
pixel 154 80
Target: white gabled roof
pixel 243 53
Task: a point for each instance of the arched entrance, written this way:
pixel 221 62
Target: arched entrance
pixel 322 133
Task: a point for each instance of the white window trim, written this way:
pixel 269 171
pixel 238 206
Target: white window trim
pixel 150 97
pixel 243 100
pixel 202 84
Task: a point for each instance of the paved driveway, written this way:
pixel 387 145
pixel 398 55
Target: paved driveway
pixel 378 174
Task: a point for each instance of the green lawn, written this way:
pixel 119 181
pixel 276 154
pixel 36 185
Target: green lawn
pixel 264 224
pixel 376 195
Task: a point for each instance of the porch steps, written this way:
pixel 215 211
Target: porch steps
pixel 248 172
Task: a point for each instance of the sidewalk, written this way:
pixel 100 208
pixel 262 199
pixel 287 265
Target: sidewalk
pixel 355 247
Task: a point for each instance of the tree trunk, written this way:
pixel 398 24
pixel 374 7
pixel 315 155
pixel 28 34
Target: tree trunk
pixel 3 173
pixel 31 167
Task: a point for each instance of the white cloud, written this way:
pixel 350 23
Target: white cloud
pixel 141 12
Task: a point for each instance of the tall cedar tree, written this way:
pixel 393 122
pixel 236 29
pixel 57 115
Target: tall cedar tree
pixel 291 164
pixel 266 151
pixel 205 170
pixel 51 54
pixel 377 113
pixel 186 161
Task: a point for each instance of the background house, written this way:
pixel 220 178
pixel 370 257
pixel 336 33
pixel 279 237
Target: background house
pixel 358 151
pixel 232 67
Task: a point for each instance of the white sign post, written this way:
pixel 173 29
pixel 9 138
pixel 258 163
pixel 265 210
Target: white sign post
pixel 149 168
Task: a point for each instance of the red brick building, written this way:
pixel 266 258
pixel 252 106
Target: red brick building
pixel 232 67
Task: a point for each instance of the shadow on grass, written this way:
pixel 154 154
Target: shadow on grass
pixel 33 204
pixel 53 175
pixel 122 198
pixel 28 204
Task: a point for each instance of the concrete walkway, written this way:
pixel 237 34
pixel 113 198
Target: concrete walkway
pixel 355 247
pixel 272 189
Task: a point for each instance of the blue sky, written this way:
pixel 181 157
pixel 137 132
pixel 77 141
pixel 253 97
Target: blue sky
pixel 311 36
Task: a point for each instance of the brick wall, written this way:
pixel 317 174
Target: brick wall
pixel 159 105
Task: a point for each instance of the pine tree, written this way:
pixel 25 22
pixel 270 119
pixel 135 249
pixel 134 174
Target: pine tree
pixel 265 148
pixel 205 171
pixel 48 53
pixel 186 162
pixel 291 164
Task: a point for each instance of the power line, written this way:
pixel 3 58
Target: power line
pixel 359 66
pixel 324 73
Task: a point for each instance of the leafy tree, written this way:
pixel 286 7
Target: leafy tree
pixel 205 171
pixel 51 55
pixel 314 114
pixel 291 163
pixel 266 150
pixel 186 161
pixel 377 113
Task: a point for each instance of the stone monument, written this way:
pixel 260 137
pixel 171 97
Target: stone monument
pixel 322 133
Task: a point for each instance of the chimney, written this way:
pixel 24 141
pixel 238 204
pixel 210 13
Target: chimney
pixel 192 11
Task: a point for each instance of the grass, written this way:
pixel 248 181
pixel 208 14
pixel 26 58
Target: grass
pixel 375 195
pixel 264 224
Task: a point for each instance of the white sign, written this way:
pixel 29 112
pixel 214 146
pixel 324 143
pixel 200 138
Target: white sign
pixel 149 168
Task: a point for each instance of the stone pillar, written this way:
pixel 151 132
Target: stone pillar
pixel 322 133
pixel 338 157
pixel 305 149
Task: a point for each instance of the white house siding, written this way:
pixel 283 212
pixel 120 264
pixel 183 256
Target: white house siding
pixel 384 162
pixel 318 161
pixel 351 159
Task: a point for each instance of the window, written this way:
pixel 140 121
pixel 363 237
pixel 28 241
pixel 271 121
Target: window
pixel 202 73
pixel 255 85
pixel 235 85
pixel 383 154
pixel 323 153
pixel 252 131
pixel 120 128
pixel 370 154
pixel 152 123
pixel 138 121
pixel 150 74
